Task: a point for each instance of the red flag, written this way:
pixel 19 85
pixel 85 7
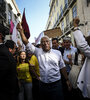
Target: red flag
pixel 25 26
pixel 11 27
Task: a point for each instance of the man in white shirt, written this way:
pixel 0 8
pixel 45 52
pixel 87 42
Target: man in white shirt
pixel 84 76
pixel 69 53
pixel 50 63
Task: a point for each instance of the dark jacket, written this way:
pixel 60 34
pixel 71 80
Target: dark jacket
pixel 61 49
pixel 8 75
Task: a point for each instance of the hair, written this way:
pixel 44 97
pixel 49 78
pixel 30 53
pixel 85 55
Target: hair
pixel 77 21
pixel 45 36
pixel 26 60
pixel 55 39
pixel 10 44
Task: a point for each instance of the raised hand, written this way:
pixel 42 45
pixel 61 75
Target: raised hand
pixel 76 22
pixel 19 27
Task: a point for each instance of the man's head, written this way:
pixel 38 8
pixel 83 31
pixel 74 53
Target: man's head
pixel 45 43
pixel 55 43
pixel 11 46
pixel 67 42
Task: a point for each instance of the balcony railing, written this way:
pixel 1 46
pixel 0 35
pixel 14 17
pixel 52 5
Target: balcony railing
pixel 66 28
pixel 61 17
pixel 65 9
pixel 71 24
pixel 2 6
pixel 3 16
pixel 71 2
pixel 51 6
pixel 6 29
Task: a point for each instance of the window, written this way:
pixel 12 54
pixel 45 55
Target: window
pixel 9 16
pixel 57 15
pixel 74 11
pixel 55 20
pixel 54 8
pixel 52 14
pixel 9 13
pixel 67 20
pixel 61 9
pixel 2 6
pixel 66 3
pixel 62 26
pixel 57 2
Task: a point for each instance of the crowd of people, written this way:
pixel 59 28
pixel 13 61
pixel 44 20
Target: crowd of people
pixel 40 72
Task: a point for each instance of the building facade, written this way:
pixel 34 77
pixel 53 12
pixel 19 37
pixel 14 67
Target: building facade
pixel 8 12
pixel 62 12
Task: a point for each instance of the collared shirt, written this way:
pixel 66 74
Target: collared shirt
pixel 50 63
pixel 74 48
pixel 68 52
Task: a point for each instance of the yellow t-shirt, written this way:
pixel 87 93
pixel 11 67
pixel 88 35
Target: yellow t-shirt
pixel 34 62
pixel 23 72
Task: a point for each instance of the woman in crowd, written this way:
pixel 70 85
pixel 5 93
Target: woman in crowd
pixel 25 71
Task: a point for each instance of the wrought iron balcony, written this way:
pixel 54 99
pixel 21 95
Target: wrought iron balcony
pixel 51 6
pixel 71 25
pixel 71 2
pixel 2 6
pixel 6 29
pixel 61 17
pixel 66 9
pixel 66 28
pixel 3 16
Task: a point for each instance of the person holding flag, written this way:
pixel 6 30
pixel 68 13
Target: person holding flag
pixel 51 65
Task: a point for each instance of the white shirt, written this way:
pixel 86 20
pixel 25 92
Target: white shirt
pixel 68 52
pixel 74 48
pixel 50 63
pixel 84 75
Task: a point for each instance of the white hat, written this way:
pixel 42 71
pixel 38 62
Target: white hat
pixel 67 38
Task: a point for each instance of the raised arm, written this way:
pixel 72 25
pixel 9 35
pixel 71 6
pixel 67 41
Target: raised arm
pixel 80 40
pixel 29 46
pixel 20 29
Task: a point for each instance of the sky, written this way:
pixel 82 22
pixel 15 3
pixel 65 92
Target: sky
pixel 37 13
